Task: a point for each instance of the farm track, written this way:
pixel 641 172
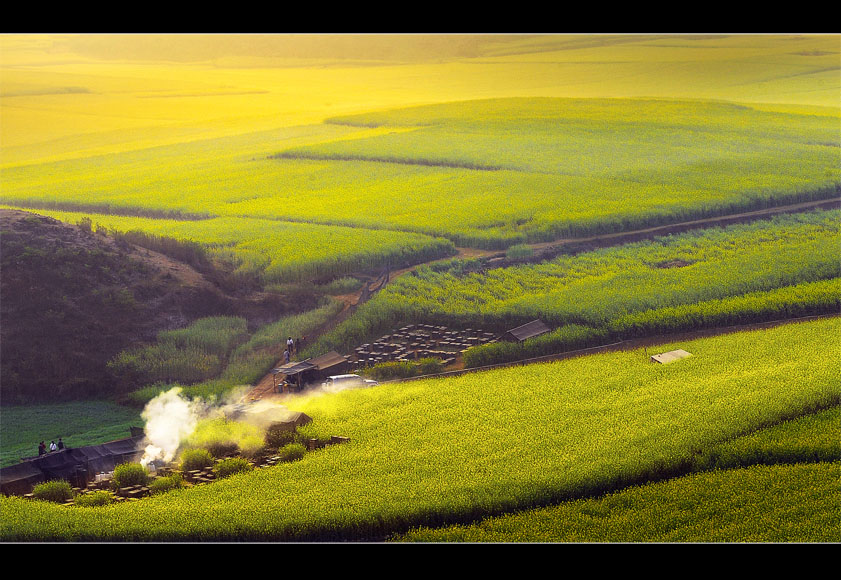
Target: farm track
pixel 545 251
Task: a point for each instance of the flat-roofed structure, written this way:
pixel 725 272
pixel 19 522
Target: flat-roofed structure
pixel 528 330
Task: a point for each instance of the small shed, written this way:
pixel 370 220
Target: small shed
pixel 671 356
pixel 528 330
pixel 329 364
pixel 314 369
pixel 294 372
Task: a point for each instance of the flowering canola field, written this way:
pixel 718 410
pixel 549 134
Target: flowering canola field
pixel 445 451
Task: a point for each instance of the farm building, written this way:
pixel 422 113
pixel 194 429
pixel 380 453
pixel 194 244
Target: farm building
pixel 529 330
pixel 313 370
pixel 78 465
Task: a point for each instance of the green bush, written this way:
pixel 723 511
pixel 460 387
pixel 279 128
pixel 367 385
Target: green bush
pixel 95 498
pixel 292 452
pixel 392 370
pixel 278 436
pixel 222 448
pixel 228 467
pixel 128 474
pixel 344 285
pixel 56 491
pixel 519 252
pixel 563 339
pixel 307 432
pixel 429 366
pixel 196 459
pixel 163 484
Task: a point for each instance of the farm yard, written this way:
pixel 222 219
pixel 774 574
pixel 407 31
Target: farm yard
pixel 519 234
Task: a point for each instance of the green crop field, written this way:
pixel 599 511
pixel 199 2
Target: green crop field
pixel 78 423
pixel 446 451
pixel 487 174
pixel 786 472
pixel 738 274
pixel 480 173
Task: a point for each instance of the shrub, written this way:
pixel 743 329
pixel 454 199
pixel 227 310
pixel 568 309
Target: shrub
pixel 279 435
pixel 196 459
pixel 222 448
pixel 292 452
pixel 519 252
pixel 563 339
pixel 96 498
pixel 307 432
pixel 128 474
pixel 228 467
pixel 392 370
pixel 163 484
pixel 56 491
pixel 430 366
pixel 344 285
pixel 251 445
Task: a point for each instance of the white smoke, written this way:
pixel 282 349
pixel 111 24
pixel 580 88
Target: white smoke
pixel 170 418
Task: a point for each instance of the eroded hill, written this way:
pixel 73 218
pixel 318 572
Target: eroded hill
pixel 71 299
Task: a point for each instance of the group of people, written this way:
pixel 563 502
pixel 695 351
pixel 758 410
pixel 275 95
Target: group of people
pixel 292 347
pixel 42 447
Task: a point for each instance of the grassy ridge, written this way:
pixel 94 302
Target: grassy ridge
pixel 437 452
pixel 278 251
pixel 192 354
pixel 244 365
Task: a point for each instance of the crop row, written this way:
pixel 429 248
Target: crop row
pixel 760 504
pixel 192 354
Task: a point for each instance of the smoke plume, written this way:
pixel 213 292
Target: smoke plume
pixel 169 419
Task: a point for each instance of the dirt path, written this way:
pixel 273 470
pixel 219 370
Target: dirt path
pixel 544 251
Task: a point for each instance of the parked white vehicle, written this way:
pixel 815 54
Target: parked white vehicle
pixel 339 382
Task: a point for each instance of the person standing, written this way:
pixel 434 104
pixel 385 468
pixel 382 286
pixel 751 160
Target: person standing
pixel 60 444
pixel 42 449
pixel 290 344
pixel 286 356
pixel 53 446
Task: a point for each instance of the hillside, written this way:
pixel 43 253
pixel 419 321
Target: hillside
pixel 72 299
